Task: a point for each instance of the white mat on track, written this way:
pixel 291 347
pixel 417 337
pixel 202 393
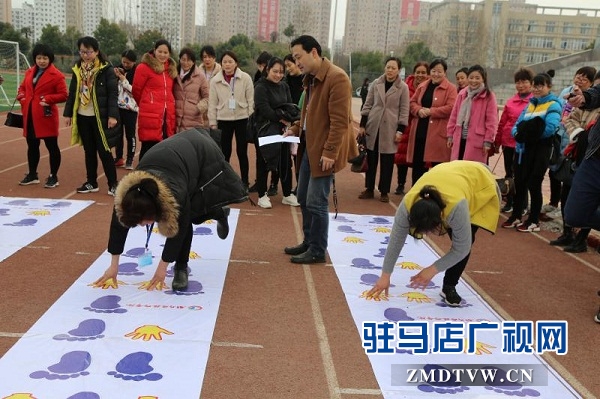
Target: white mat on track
pixel 357 245
pixel 125 343
pixel 24 220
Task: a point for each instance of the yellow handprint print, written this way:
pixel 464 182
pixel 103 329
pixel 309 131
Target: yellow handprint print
pixel 39 213
pixel 144 285
pixel 481 348
pixel 20 396
pixel 353 240
pixel 194 255
pixel 110 283
pixel 414 296
pixel 410 266
pixel 147 332
pixel 376 298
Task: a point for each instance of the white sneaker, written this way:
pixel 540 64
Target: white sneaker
pixel 290 200
pixel 265 202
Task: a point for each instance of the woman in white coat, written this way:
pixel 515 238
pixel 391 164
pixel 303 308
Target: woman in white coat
pixel 384 119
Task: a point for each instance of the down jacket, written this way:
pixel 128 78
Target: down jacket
pixel 153 92
pixel 193 179
pixel 51 85
pixel 191 100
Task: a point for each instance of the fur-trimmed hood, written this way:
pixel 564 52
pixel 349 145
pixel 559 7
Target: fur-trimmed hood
pixel 158 66
pixel 168 226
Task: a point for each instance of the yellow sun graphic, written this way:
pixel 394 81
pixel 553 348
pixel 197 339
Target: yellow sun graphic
pixel 354 240
pixel 410 266
pixel 42 212
pixel 380 297
pixel 383 230
pixel 414 296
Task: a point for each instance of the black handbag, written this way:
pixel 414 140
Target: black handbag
pixel 13 119
pixel 566 170
pixel 359 164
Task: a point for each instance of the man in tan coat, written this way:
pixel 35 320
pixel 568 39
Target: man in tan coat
pixel 327 139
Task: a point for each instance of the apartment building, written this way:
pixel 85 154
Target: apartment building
pixel 6 11
pixel 174 18
pixel 508 33
pixel 266 20
pixel 23 17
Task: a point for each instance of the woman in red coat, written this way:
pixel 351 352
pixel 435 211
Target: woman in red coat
pixel 153 92
pixel 419 75
pixel 43 87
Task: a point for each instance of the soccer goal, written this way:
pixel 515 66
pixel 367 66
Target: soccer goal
pixel 13 65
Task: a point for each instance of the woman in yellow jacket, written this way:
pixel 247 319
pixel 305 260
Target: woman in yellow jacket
pixel 456 197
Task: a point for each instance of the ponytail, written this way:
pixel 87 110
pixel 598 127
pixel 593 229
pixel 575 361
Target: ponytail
pixel 426 213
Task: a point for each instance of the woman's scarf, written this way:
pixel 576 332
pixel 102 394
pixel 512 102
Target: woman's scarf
pixel 464 114
pixel 88 73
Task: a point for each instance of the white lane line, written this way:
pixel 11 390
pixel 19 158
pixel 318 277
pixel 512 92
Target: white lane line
pixel 324 347
pixel 359 391
pixel 259 262
pixel 236 345
pixel 10 335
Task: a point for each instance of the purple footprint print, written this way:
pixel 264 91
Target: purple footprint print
pixel 135 252
pixel 348 229
pixel 430 286
pixel 106 304
pixel 507 387
pixel 18 203
pixel 136 367
pixel 363 263
pixel 202 231
pixel 89 329
pixel 129 269
pixel 59 204
pixel 85 395
pixel 342 219
pixel 381 253
pixel 23 222
pixel 452 386
pixel 371 279
pixel 396 314
pixel 71 365
pixel 379 220
pixel 193 288
pixel 4 211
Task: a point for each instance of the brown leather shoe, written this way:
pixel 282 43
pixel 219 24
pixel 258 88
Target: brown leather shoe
pixel 367 194
pixel 384 198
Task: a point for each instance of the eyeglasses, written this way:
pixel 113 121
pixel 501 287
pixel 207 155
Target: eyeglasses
pixel 86 52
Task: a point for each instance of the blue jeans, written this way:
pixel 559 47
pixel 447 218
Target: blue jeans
pixel 581 209
pixel 313 196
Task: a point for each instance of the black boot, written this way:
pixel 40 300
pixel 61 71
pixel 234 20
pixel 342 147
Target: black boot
pixel 180 280
pixel 223 224
pixel 579 244
pixel 566 238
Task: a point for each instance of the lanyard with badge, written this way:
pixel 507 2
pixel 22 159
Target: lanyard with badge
pixel 145 259
pixel 232 99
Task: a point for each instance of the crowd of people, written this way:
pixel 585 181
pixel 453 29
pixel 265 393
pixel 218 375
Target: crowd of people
pixel 423 123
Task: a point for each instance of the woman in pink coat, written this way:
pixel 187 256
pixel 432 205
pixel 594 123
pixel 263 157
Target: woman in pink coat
pixel 430 106
pixel 153 92
pixel 42 88
pixel 474 119
pixel 191 93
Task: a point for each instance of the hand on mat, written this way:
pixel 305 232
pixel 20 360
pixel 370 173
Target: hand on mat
pixel 147 332
pixel 158 280
pixel 109 278
pixel 422 279
pixel 381 286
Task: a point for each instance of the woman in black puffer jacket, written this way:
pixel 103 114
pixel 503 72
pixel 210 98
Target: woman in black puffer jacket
pixel 270 93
